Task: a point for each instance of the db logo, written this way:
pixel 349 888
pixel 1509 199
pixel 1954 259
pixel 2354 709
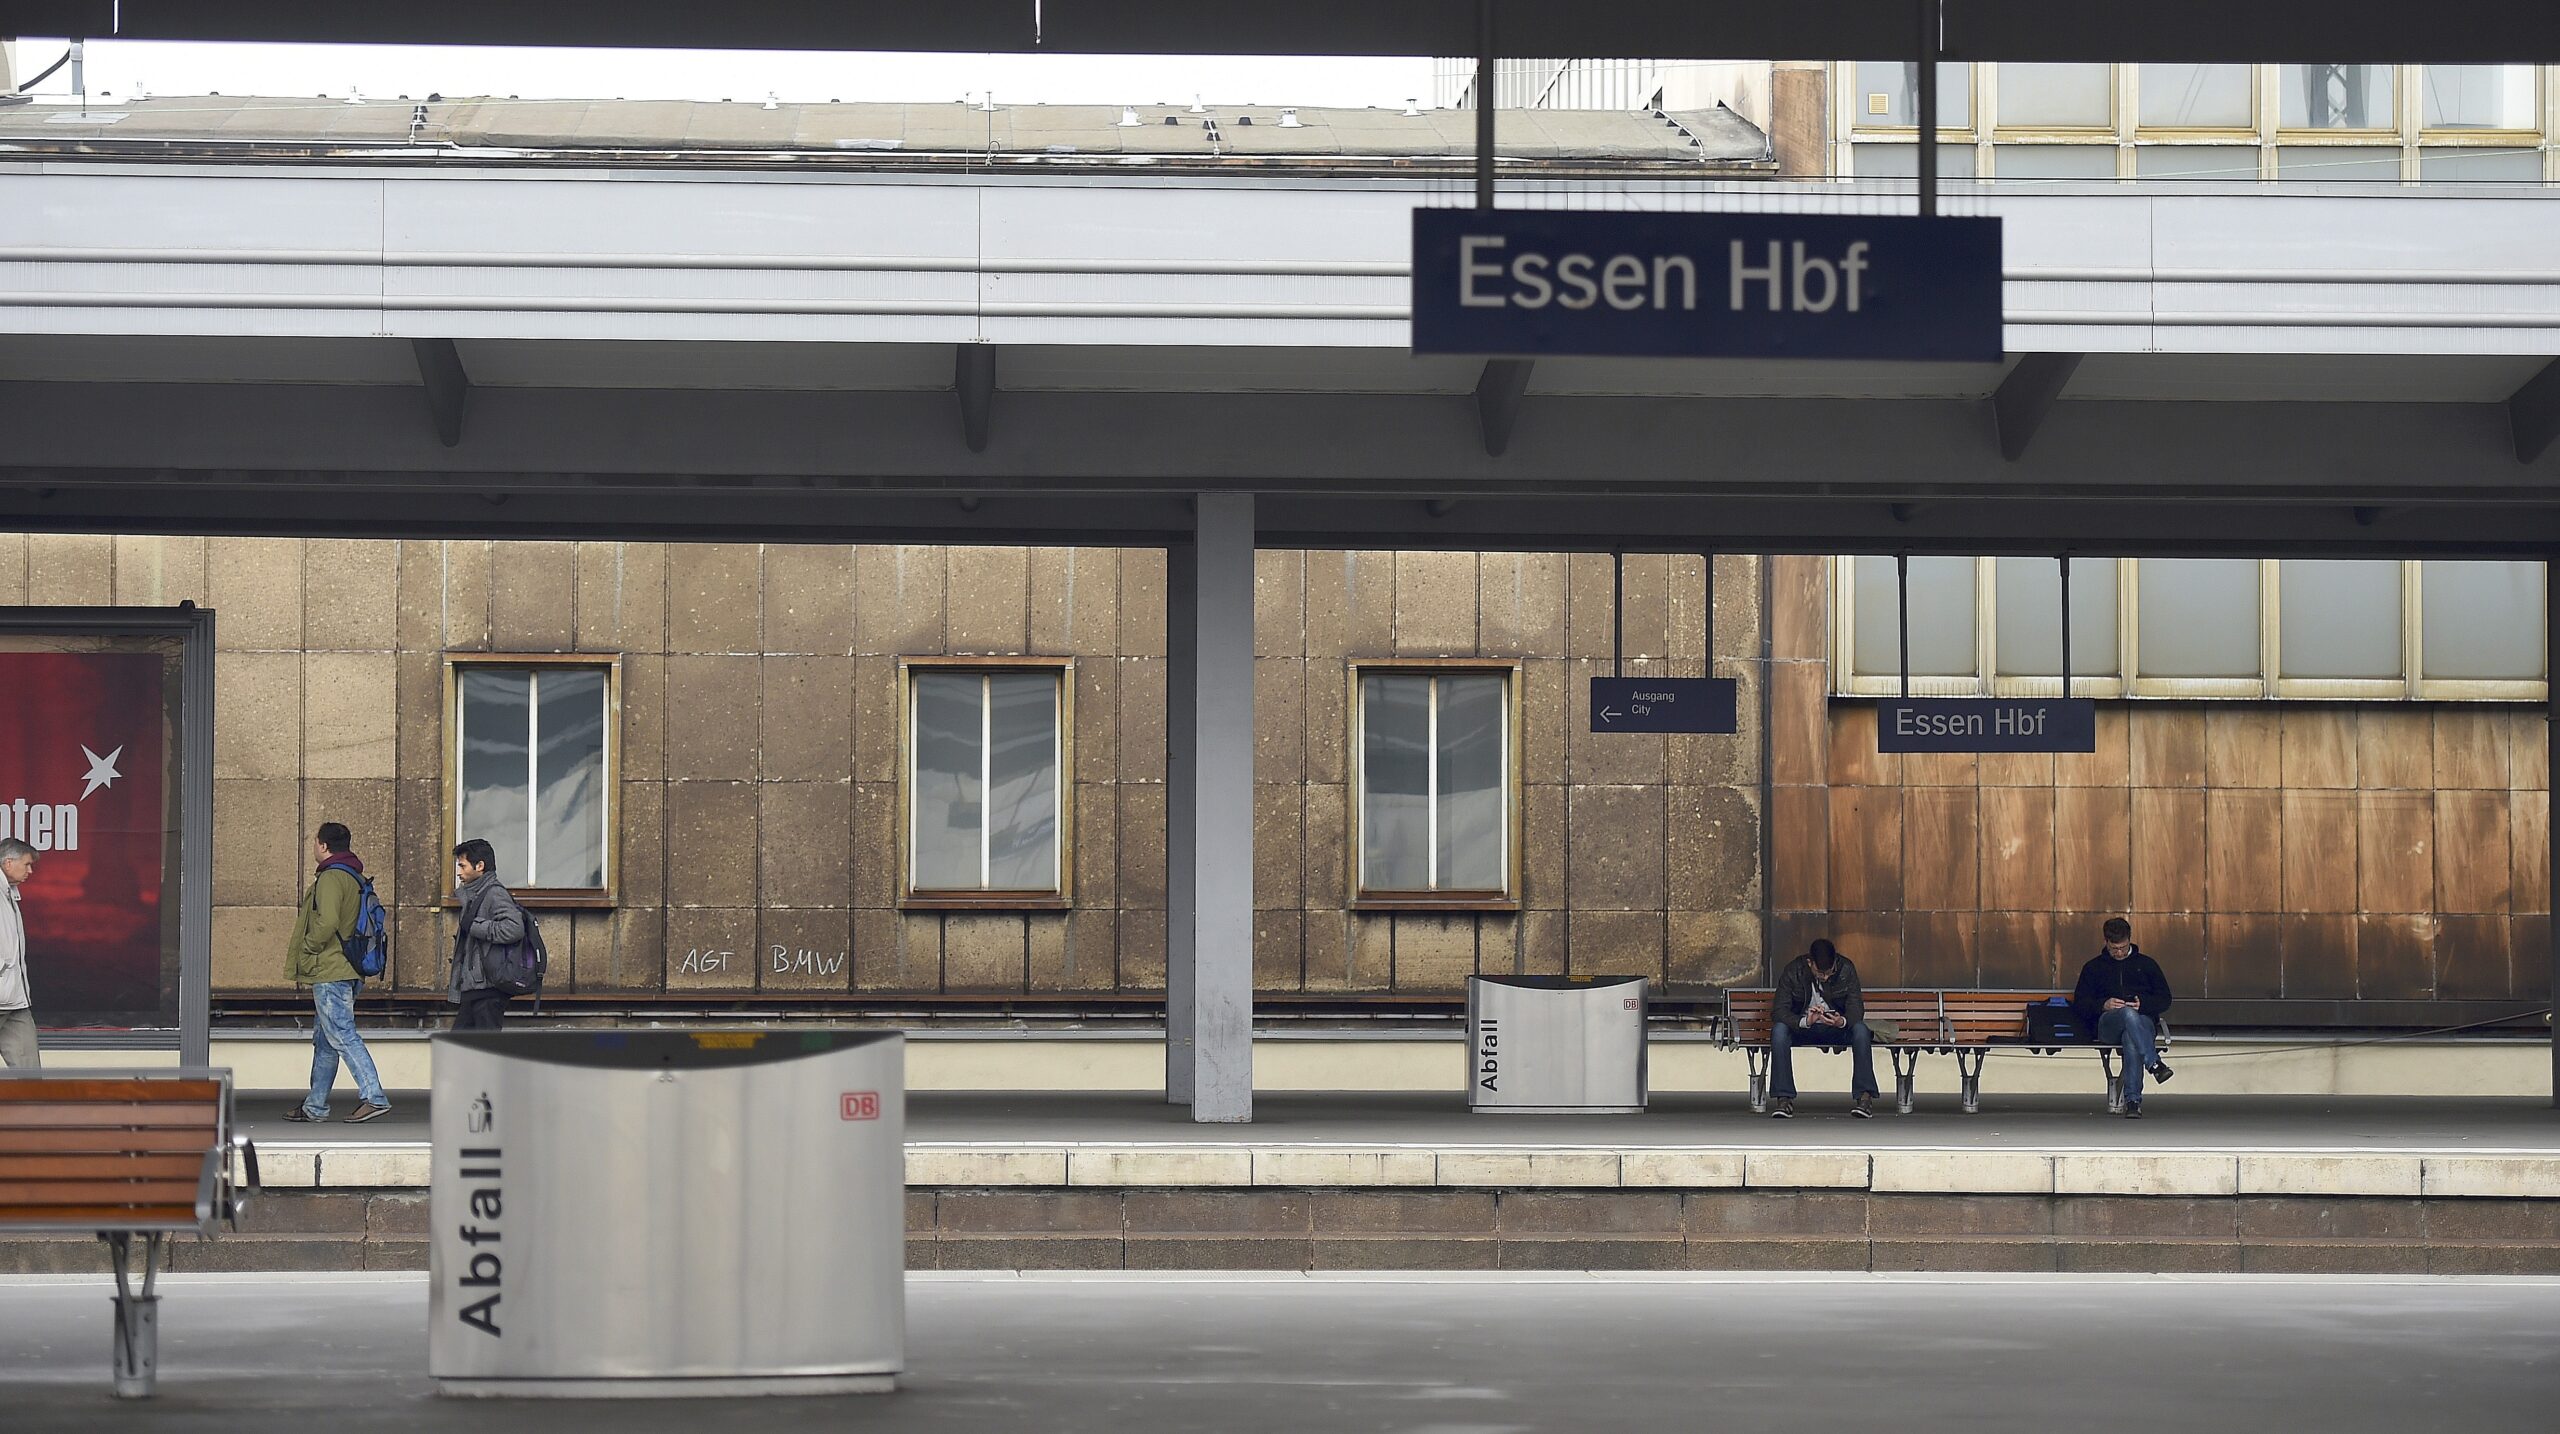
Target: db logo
pixel 861 1105
pixel 1631 1003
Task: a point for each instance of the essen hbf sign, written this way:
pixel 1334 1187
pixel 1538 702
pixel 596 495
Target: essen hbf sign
pixel 1537 282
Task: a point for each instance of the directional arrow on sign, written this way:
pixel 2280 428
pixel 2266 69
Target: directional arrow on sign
pixel 1608 714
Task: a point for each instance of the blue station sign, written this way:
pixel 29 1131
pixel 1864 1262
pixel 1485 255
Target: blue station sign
pixel 1987 724
pixel 1529 282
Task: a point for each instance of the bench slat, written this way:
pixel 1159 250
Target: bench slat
pixel 109 1117
pixel 113 1217
pixel 162 1141
pixel 57 1089
pixel 101 1166
pixel 15 1192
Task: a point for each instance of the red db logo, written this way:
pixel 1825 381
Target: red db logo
pixel 861 1105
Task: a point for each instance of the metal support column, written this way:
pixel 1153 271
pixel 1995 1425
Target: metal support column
pixel 1932 35
pixel 1209 813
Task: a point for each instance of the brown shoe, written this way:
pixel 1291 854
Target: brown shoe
pixel 364 1113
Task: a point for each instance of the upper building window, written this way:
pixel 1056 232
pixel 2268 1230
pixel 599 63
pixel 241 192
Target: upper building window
pixel 1889 95
pixel 2221 97
pixel 2491 97
pixel 533 771
pixel 1436 800
pixel 2327 97
pixel 986 796
pixel 2056 96
pixel 2196 627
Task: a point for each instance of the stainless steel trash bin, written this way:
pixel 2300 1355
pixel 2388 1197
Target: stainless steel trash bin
pixel 654 1213
pixel 1555 1045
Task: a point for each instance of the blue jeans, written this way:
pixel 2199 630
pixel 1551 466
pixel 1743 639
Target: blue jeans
pixel 333 1035
pixel 1783 1039
pixel 2139 1038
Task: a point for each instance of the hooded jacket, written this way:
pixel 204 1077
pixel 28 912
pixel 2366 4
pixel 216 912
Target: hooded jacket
pixel 490 919
pixel 2135 978
pixel 315 953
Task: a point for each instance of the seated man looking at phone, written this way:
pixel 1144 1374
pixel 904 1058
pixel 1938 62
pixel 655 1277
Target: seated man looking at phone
pixel 1819 1003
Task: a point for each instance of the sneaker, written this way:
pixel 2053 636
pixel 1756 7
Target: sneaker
pixel 364 1113
pixel 299 1116
pixel 1864 1107
pixel 1783 1108
pixel 2161 1073
pixel 2133 1110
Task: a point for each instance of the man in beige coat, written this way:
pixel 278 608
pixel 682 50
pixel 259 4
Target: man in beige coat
pixel 17 1021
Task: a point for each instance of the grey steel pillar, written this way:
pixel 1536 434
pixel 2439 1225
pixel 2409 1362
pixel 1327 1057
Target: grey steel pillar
pixel 1209 813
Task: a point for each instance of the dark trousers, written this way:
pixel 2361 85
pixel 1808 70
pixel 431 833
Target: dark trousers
pixel 1783 1039
pixel 482 1011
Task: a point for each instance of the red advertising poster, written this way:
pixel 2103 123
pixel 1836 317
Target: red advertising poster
pixel 83 780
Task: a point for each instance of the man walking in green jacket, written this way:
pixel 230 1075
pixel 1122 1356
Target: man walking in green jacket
pixel 317 957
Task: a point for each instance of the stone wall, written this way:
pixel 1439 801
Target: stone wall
pixel 2264 850
pixel 759 750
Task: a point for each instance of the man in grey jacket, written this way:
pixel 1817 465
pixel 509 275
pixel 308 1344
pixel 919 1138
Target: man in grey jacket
pixel 490 919
pixel 17 1020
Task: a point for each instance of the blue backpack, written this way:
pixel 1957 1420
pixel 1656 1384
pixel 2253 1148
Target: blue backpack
pixel 368 947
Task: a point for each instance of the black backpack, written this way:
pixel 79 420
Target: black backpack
pixel 518 968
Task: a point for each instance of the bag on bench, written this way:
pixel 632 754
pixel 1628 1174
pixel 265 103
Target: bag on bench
pixel 2053 1022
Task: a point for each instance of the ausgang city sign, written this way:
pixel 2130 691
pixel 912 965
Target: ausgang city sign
pixel 1535 282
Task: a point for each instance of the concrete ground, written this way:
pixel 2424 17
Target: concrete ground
pixel 1411 1353
pixel 2037 1122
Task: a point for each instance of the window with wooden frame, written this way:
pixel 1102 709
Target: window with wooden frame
pixel 531 769
pixel 2289 628
pixel 984 790
pixel 1435 807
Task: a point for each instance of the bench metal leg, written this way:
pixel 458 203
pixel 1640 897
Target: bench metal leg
pixel 1906 1070
pixel 1756 1059
pixel 1969 1078
pixel 2115 1080
pixel 137 1340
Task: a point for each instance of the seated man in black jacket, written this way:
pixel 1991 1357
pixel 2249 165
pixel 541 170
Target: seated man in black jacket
pixel 1819 1003
pixel 2121 997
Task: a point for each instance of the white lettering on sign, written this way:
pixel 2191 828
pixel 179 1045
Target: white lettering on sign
pixel 784 961
pixel 1909 723
pixel 1791 262
pixel 1625 282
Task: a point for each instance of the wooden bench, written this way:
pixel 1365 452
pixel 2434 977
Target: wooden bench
pixel 122 1154
pixel 1910 1023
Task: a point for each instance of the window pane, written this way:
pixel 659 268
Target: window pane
pixel 497 714
pixel 2196 161
pixel 2030 595
pixel 1902 161
pixel 2481 620
pixel 2056 96
pixel 2335 97
pixel 945 796
pixel 1022 782
pixel 2476 96
pixel 1941 617
pixel 569 807
pixel 2053 161
pixel 2199 617
pixel 2338 618
pixel 2477 166
pixel 2332 164
pixel 2195 96
pixel 1395 783
pixel 1889 94
pixel 1474 816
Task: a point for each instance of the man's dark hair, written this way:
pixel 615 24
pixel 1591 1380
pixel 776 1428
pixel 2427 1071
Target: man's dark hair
pixel 1823 952
pixel 336 837
pixel 2117 929
pixel 477 851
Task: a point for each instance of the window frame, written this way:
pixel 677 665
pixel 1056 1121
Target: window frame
pixel 1858 123
pixel 2392 127
pixel 2127 680
pixel 2220 134
pixel 1515 803
pixel 913 898
pixel 551 898
pixel 2476 137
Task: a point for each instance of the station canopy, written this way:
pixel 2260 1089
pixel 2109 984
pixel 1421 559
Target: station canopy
pixel 2447 31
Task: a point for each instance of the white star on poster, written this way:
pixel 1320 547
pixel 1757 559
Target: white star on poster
pixel 102 770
